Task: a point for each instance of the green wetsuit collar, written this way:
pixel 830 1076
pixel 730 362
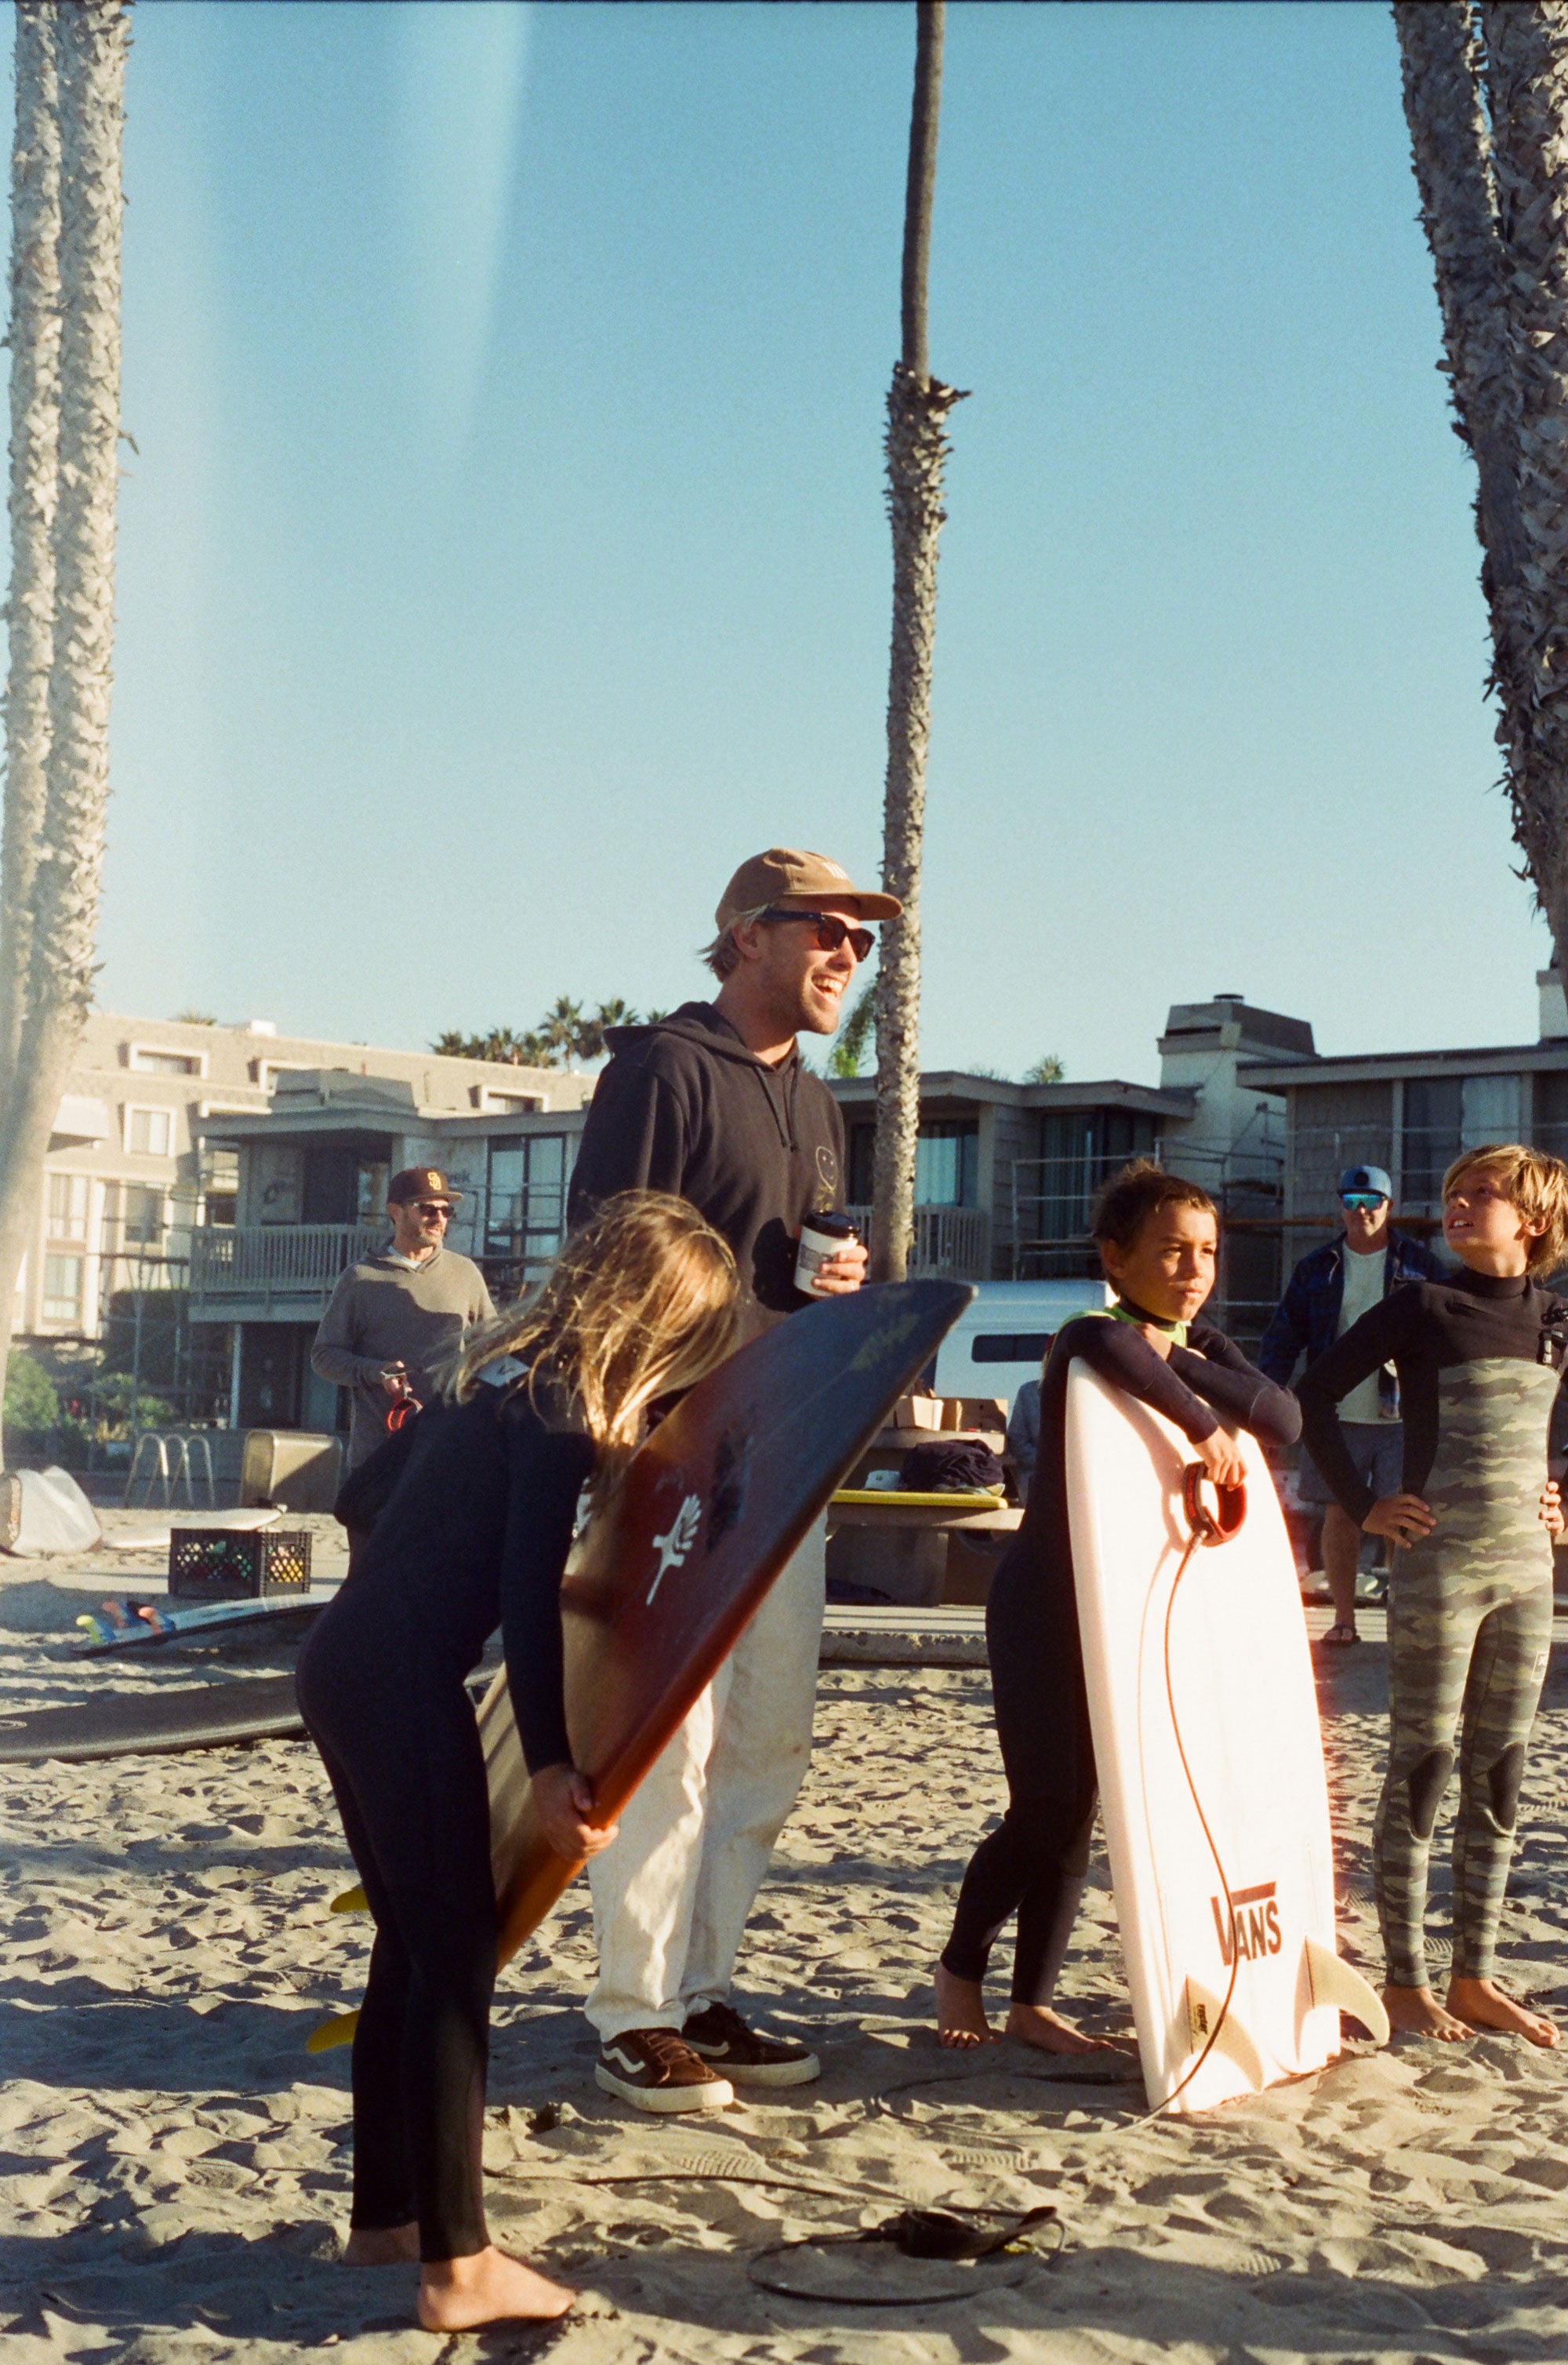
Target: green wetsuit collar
pixel 1124 1310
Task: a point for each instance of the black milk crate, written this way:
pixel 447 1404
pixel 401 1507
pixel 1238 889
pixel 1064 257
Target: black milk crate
pixel 237 1564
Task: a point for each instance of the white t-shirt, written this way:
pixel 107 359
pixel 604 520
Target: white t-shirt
pixel 1363 1290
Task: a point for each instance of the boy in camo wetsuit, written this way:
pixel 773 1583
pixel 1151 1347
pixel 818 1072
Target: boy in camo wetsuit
pixel 1479 1357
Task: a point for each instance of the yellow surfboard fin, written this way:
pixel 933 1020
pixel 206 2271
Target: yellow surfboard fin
pixel 1334 1982
pixel 332 2033
pixel 352 1901
pixel 1205 2013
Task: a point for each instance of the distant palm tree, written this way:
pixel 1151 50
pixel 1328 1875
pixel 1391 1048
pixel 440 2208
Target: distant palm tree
pixel 849 1053
pixel 562 1027
pixel 1046 1070
pixel 1487 102
pixel 916 447
pixel 71 64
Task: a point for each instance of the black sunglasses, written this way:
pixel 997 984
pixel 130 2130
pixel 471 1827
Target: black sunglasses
pixel 831 932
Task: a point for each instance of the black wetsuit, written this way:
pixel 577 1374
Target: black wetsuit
pixel 475 1534
pixel 1033 1864
pixel 1478 1358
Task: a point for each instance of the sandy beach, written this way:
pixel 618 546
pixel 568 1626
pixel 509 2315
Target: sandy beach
pixel 175 2168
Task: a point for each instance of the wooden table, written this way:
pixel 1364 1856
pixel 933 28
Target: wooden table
pixel 896 1543
pixel 887 1506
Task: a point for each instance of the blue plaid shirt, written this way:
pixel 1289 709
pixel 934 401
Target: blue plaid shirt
pixel 1307 1320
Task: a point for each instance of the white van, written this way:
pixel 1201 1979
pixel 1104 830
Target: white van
pixel 998 1343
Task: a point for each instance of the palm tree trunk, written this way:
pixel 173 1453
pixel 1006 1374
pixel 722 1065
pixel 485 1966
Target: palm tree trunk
pixel 1497 219
pixel 1450 143
pixel 916 447
pixel 91 38
pixel 1527 79
pixel 35 422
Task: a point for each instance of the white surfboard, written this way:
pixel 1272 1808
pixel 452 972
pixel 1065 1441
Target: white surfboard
pixel 1245 1715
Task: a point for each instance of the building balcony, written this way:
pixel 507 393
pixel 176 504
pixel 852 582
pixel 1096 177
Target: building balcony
pixel 273 1273
pixel 950 1243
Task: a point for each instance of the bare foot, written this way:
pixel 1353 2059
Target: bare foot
pixel 381 2246
pixel 1483 2005
pixel 1037 2024
pixel 961 2013
pixel 1415 2011
pixel 491 2287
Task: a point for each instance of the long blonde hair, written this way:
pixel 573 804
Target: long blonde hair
pixel 640 1302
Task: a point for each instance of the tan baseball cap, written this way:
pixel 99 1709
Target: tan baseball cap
pixel 783 875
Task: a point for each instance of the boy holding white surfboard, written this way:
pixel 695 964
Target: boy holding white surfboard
pixel 1479 1356
pixel 1157 1238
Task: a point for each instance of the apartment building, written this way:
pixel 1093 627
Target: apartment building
pixel 310 1198
pixel 1414 1112
pixel 144 1154
pixel 237 1172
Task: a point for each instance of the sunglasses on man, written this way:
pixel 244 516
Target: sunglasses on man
pixel 432 1207
pixel 831 932
pixel 1366 1200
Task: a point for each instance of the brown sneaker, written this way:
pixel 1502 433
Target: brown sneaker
pixel 655 2069
pixel 719 2034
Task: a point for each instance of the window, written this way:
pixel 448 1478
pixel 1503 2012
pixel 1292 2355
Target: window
pixel 150 1131
pixel 1011 1346
pixel 1444 1115
pixel 150 1062
pixel 219 1180
pixel 946 1165
pixel 141 1213
pixel 525 1207
pixel 1054 1193
pixel 63 1289
pixel 68 1206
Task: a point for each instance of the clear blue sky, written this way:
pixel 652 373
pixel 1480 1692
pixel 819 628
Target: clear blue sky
pixel 505 558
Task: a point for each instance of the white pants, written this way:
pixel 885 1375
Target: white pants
pixel 672 1893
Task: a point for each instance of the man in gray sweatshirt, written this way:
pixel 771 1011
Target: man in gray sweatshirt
pixel 401 1311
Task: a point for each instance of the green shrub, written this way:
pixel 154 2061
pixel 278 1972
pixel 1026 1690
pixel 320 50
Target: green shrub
pixel 32 1406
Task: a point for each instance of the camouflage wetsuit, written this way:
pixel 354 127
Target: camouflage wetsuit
pixel 1479 1360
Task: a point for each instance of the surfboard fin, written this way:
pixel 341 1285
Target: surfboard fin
pixel 1206 2012
pixel 332 2033
pixel 352 1901
pixel 1334 1982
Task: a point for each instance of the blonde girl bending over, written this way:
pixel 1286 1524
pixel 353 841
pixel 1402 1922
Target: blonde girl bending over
pixel 550 1397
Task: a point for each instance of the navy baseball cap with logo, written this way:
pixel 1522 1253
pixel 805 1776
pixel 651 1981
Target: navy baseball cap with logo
pixel 1366 1183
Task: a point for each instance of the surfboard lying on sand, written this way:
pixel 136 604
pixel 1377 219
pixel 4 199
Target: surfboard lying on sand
pixel 131 1624
pixel 1229 1932
pixel 658 1594
pixel 197 1715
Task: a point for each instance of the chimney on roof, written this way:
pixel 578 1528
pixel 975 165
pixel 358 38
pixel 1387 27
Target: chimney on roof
pixel 261 1027
pixel 1553 1007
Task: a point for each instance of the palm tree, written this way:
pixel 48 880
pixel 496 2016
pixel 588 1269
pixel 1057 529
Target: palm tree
pixel 34 435
pixel 1487 102
pixel 563 1027
pixel 916 447
pixel 53 847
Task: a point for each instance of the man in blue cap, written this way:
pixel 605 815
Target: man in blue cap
pixel 1329 1289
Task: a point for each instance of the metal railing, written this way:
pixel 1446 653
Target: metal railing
pixel 299 1262
pixel 950 1243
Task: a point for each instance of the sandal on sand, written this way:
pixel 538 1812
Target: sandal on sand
pixel 1340 1634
